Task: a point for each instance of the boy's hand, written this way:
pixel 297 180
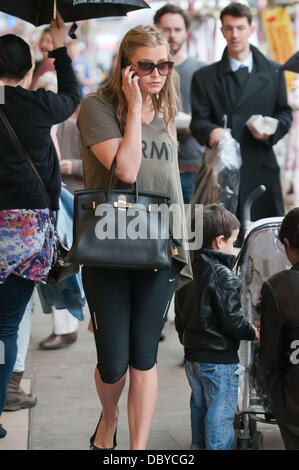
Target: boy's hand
pixel 257 334
pixel 58 31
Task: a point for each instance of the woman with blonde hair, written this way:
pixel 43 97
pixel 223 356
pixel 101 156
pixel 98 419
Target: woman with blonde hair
pixel 131 118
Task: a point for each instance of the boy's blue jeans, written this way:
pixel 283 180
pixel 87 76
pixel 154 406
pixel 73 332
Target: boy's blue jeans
pixel 213 404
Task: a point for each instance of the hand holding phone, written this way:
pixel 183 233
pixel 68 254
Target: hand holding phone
pixel 130 88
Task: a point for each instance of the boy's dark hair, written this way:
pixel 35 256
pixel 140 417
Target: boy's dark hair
pixel 217 221
pixel 15 57
pixel 289 228
pixel 238 10
pixel 168 8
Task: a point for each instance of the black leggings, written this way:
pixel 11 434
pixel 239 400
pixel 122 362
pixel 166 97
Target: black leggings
pixel 128 310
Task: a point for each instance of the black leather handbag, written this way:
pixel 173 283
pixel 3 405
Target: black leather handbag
pixel 62 268
pixel 105 223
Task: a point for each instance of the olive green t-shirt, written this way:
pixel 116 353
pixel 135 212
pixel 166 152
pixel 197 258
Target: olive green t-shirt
pixel 158 171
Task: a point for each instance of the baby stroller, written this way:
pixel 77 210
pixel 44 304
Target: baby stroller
pixel 260 257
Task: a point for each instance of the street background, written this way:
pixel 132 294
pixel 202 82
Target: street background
pixel 68 408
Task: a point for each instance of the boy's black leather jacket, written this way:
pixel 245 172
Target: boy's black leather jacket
pixel 209 318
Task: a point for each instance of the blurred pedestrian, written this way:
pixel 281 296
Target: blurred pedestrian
pixel 279 348
pixel 132 119
pixel 27 236
pixel 175 24
pixel 47 63
pixel 241 84
pixel 81 67
pixel 65 300
pixel 71 154
pixel 16 398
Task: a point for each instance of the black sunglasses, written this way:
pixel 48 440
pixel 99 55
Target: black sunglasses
pixel 145 67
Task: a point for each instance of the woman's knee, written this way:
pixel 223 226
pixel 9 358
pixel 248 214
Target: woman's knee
pixel 111 374
pixel 142 374
pixel 142 359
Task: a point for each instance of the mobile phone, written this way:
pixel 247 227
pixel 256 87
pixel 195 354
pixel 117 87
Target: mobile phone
pixel 124 63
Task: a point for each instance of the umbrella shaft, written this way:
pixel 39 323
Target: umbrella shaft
pixel 55 9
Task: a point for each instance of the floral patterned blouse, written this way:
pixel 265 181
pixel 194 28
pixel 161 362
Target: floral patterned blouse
pixel 26 244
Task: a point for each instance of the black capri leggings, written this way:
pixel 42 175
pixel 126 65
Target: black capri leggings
pixel 128 310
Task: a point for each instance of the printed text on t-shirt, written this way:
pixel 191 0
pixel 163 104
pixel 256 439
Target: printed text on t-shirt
pixel 151 150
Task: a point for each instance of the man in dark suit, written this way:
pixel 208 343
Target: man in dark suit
pixel 241 84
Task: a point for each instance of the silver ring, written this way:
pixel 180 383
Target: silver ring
pixel 129 82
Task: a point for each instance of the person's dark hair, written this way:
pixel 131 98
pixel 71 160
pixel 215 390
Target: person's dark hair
pixel 289 228
pixel 168 8
pixel 15 57
pixel 238 10
pixel 217 221
pixel 46 30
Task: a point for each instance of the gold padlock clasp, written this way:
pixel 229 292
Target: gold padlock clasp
pixel 122 204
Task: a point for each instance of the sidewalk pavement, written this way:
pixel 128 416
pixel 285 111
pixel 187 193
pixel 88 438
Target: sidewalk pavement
pixel 16 425
pixel 68 408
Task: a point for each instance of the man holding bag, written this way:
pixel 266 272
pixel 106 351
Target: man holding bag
pixel 241 84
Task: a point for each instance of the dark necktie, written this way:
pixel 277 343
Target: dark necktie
pixel 235 83
pixel 241 76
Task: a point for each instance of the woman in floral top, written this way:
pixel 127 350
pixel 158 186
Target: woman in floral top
pixel 26 231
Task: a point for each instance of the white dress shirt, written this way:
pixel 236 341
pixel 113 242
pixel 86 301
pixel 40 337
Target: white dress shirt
pixel 235 64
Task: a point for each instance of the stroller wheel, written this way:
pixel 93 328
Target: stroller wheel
pixel 234 445
pixel 257 440
pixel 244 443
pixel 252 426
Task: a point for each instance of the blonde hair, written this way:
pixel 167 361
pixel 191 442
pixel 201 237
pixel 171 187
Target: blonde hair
pixel 165 103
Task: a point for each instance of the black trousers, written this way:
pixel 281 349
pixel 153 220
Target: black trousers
pixel 290 439
pixel 128 309
pixel 285 409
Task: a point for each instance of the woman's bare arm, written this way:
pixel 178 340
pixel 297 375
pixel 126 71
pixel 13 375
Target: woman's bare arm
pixel 127 149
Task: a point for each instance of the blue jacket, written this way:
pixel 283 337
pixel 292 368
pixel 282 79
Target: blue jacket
pixel 67 294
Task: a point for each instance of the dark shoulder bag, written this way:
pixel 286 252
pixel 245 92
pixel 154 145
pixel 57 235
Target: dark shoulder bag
pixel 62 267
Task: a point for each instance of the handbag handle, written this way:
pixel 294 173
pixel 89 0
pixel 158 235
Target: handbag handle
pixel 24 152
pixel 112 171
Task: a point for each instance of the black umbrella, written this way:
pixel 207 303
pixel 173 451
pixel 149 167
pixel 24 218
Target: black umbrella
pixel 292 64
pixel 40 12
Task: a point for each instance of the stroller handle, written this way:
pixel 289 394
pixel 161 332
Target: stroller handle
pixel 250 200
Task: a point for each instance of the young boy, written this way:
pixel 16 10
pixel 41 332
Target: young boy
pixel 279 351
pixel 210 325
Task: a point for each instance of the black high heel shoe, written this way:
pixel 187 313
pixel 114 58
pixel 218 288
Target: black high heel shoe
pixel 93 447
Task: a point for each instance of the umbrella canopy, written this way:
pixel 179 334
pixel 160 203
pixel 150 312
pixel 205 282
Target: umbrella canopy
pixel 40 12
pixel 292 65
